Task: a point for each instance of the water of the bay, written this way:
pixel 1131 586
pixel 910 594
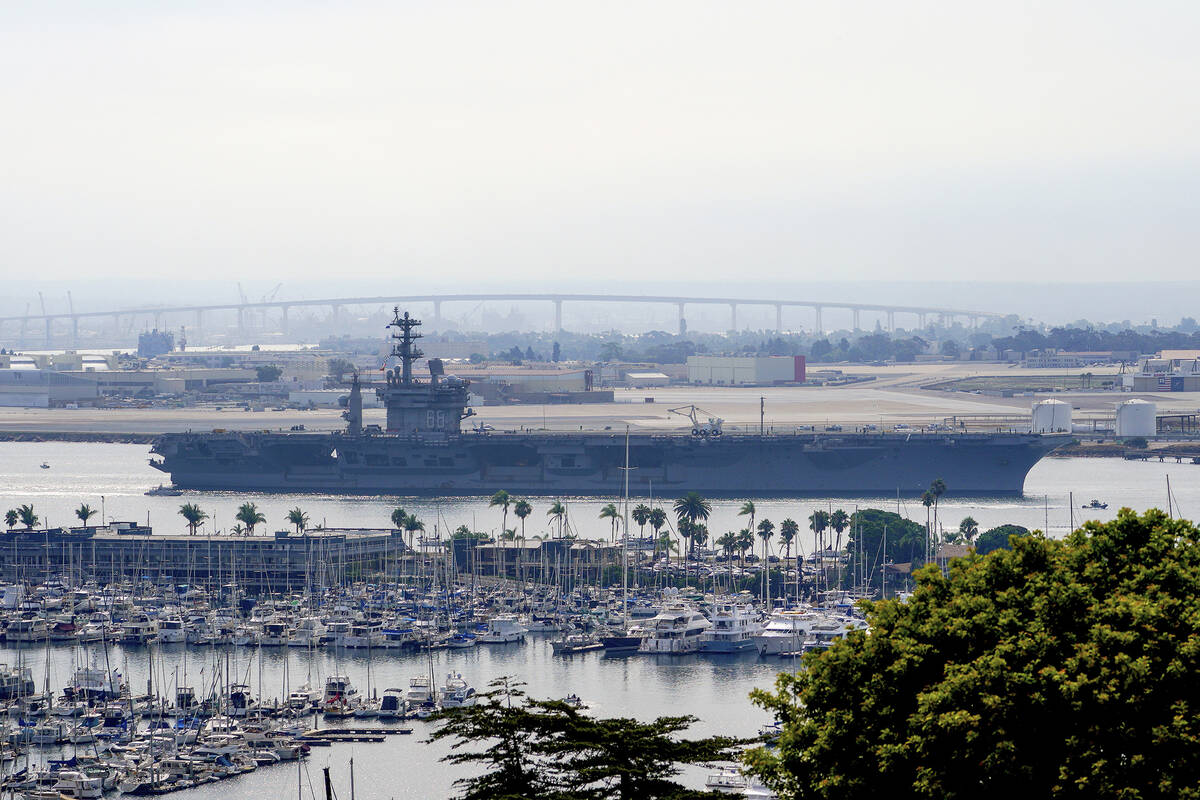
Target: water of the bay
pixel 713 689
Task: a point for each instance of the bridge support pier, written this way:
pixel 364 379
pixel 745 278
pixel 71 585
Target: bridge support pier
pixel 733 316
pixel 336 316
pixel 437 314
pixel 283 319
pixel 241 322
pixel 892 321
pixel 820 327
pixel 558 316
pixel 48 333
pixel 779 318
pixel 682 321
pixel 75 331
pixel 857 320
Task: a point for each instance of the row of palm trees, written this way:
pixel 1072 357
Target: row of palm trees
pixel 25 515
pixel 248 518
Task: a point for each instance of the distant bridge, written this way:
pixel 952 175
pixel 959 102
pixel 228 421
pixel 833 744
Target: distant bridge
pixel 31 322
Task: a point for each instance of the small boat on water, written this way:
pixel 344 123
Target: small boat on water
pixel 391 705
pixel 164 491
pixel 455 692
pixel 45 465
pixel 1095 504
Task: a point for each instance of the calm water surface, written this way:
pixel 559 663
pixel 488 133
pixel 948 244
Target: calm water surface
pixel 713 689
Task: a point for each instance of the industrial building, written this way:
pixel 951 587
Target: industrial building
pixel 259 564
pixel 1169 371
pixel 39 388
pixel 745 370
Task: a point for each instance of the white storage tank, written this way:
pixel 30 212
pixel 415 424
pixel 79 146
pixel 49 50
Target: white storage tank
pixel 1137 418
pixel 1051 416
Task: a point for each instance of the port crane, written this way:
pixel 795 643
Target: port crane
pixel 710 427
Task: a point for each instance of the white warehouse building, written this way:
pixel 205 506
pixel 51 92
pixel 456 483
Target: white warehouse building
pixel 745 370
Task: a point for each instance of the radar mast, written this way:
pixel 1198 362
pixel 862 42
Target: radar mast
pixel 404 343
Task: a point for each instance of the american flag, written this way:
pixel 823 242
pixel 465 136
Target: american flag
pixel 1164 382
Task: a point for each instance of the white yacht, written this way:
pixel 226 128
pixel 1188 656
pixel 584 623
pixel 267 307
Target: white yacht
pixel 420 692
pixel 731 780
pixel 27 630
pixel 303 698
pixel 786 631
pixel 274 634
pixel 502 629
pixel 139 631
pixel 171 630
pixel 455 693
pixel 391 704
pixel 340 696
pixel 677 629
pixel 307 633
pixel 735 628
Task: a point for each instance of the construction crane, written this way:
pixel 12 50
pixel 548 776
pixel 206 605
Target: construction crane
pixel 710 427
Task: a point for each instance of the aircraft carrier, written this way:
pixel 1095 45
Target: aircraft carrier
pixel 424 451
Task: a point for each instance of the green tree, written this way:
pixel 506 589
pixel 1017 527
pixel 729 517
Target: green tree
pixel 839 520
pixel 998 538
pixel 745 542
pixel 818 523
pixel 85 512
pixel 641 515
pixel 522 509
pixel 268 373
pixel 11 517
pixel 27 517
pixel 193 515
pixel 298 518
pixel 693 508
pixel 558 512
pixel 502 499
pixel 613 516
pixel 237 530
pixel 399 515
pixel 968 529
pixel 927 500
pixel 868 526
pixel 937 489
pixel 748 510
pixel 1059 669
pixel 249 515
pixel 521 749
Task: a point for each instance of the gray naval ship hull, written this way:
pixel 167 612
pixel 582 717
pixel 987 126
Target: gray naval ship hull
pixel 590 464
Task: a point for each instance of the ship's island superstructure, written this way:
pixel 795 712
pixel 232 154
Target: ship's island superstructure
pixel 423 450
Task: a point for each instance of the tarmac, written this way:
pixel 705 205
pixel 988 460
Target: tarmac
pixel 893 396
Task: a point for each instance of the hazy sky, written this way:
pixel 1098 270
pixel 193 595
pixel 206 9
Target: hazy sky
pixel 674 140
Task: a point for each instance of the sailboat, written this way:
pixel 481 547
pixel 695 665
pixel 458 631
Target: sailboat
pixel 626 639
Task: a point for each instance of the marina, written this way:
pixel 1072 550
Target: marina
pixel 218 649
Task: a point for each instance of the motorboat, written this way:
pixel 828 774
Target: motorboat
pixel 340 697
pixel 164 491
pixel 303 698
pixel 731 780
pixel 1095 504
pixel 786 631
pixel 455 692
pixel 676 630
pixel 623 640
pixel 735 627
pixel 502 629
pixel 391 704
pixel 171 630
pixel 576 643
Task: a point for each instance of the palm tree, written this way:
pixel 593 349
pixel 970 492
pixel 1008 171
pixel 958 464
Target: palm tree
pixel 693 508
pixel 745 542
pixel 502 499
pixel 657 519
pixel 237 530
pixel 969 529
pixel 839 520
pixel 641 514
pixel 398 517
pixel 684 529
pixel 299 519
pixel 818 521
pixel 558 512
pixel 27 517
pixel 788 529
pixel 727 542
pixel 927 501
pixel 85 512
pixel 194 516
pixel 766 529
pixel 937 488
pixel 249 514
pixel 411 526
pixel 522 509
pixel 613 516
pixel 11 517
pixel 748 510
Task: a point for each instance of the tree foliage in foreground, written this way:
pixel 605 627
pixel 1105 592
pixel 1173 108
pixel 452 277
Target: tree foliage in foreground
pixel 1054 669
pixel 549 750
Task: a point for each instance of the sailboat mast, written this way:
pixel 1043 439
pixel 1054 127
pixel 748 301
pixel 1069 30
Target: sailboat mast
pixel 625 540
